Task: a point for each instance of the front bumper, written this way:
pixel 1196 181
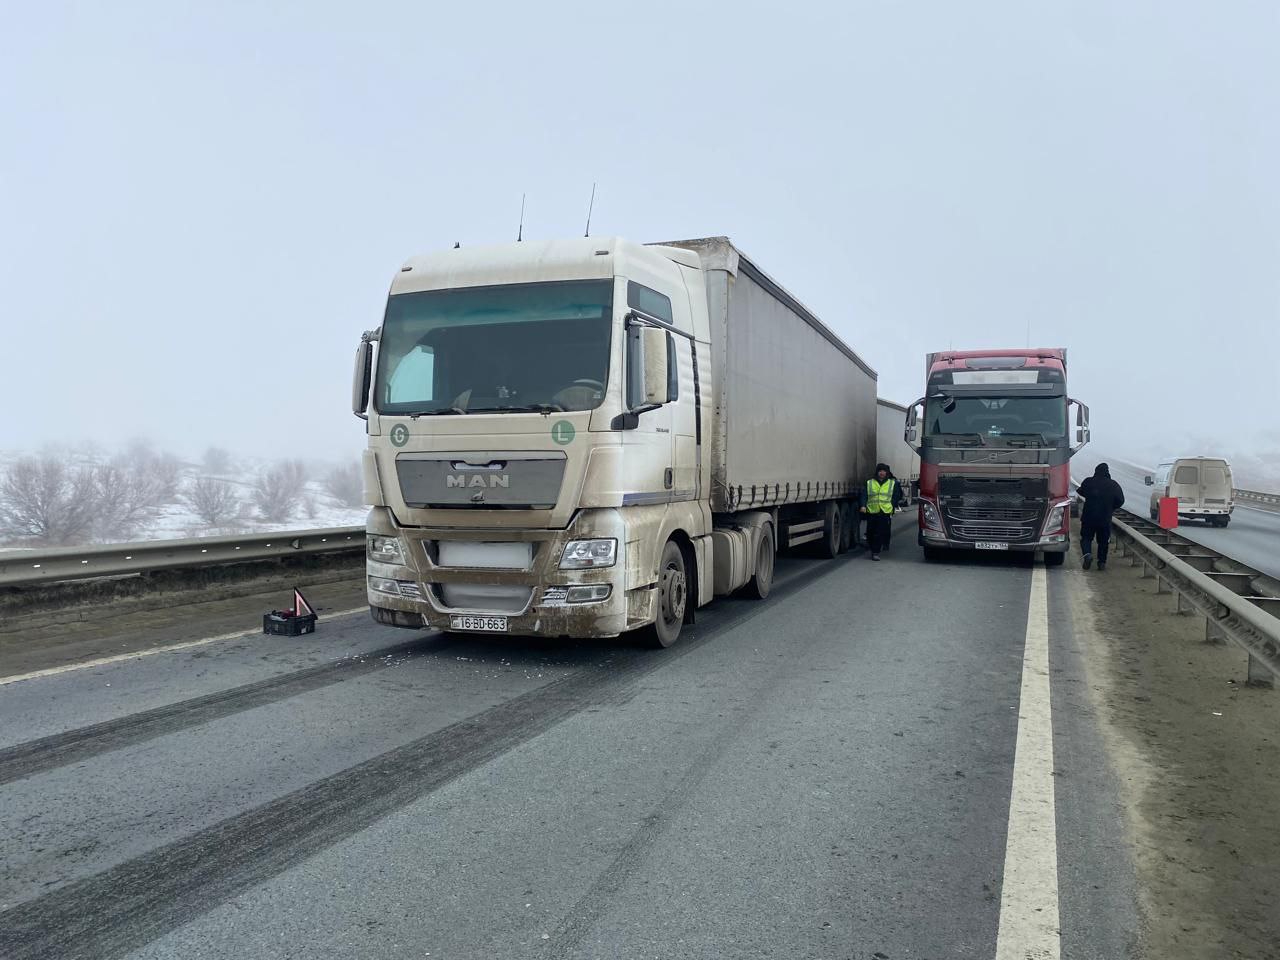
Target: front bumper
pixel 942 542
pixel 532 599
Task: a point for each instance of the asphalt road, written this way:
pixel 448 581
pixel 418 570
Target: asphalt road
pixel 827 774
pixel 1253 537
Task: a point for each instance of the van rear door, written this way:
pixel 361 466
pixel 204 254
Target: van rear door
pixel 1184 483
pixel 1215 484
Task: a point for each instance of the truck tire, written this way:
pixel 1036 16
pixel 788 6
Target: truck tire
pixel 761 581
pixel 847 527
pixel 1224 521
pixel 832 532
pixel 673 597
pixel 932 555
pixel 1054 559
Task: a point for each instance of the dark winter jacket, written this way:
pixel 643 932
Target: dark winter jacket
pixel 897 486
pixel 1102 497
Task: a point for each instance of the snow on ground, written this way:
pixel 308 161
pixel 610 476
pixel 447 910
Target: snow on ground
pixel 316 510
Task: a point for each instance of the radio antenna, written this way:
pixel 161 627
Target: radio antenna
pixel 590 207
pixel 520 230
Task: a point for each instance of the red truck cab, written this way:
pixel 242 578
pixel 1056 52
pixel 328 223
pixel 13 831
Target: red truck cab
pixel 993 434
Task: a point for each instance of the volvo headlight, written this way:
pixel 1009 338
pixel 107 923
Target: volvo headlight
pixel 386 550
pixel 1053 523
pixel 589 554
pixel 930 514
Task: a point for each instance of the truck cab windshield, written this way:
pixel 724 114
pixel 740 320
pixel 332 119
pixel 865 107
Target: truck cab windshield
pixel 538 347
pixel 999 421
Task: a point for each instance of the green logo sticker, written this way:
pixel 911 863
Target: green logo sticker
pixel 562 432
pixel 399 435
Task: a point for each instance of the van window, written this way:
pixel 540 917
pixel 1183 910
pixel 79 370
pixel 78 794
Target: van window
pixel 1215 477
pixel 1188 475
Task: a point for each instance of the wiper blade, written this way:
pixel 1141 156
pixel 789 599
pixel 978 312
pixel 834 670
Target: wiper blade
pixel 546 409
pixel 438 412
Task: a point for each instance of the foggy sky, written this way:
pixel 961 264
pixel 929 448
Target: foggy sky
pixel 201 209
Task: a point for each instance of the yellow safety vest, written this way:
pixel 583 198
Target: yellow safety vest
pixel 880 496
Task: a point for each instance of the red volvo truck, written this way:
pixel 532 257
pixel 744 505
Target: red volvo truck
pixel 993 434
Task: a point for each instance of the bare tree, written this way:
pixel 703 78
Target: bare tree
pixel 166 469
pixel 309 507
pixel 217 460
pixel 214 501
pixel 278 490
pixel 128 495
pixel 346 485
pixel 42 500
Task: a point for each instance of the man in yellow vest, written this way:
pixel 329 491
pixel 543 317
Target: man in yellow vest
pixel 879 500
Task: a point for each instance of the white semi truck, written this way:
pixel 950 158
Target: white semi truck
pixel 592 436
pixel 901 457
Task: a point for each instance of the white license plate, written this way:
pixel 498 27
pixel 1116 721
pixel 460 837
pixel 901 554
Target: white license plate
pixel 481 624
pixel 990 545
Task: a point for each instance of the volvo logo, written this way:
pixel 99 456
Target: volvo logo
pixel 487 481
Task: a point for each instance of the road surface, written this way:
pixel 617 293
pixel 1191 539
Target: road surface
pixel 884 760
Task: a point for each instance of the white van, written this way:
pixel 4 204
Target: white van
pixel 1201 484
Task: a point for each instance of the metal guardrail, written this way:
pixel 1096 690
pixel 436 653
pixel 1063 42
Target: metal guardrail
pixel 1271 500
pixel 1238 603
pixel 27 567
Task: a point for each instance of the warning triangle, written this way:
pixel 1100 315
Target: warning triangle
pixel 300 606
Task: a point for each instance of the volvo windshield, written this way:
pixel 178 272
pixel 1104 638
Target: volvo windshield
pixel 539 347
pixel 995 421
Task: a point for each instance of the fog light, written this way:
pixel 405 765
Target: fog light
pixel 383 585
pixel 591 593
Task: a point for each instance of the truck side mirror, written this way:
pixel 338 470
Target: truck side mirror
pixel 648 349
pixel 361 379
pixel 911 432
pixel 1082 423
pixel 1149 480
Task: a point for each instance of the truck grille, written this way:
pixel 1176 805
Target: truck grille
pixel 1010 514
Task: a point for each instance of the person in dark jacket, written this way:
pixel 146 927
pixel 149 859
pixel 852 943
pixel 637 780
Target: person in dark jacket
pixel 880 498
pixel 1102 497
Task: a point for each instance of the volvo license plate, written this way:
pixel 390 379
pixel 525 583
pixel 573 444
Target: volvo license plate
pixel 991 545
pixel 479 624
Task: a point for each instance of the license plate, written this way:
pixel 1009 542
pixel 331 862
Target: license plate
pixel 480 624
pixel 990 545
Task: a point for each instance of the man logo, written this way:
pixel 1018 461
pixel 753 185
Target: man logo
pixel 492 481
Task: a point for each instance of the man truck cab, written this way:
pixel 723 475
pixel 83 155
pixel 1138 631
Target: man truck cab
pixel 1201 485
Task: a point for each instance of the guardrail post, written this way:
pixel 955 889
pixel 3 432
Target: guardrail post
pixel 1162 585
pixel 1212 635
pixel 1183 606
pixel 1259 675
pixel 1146 571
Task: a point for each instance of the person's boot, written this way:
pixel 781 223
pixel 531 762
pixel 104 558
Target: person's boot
pixel 1102 564
pixel 1088 561
pixel 875 556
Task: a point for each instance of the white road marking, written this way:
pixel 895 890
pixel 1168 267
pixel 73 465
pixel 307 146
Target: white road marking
pixel 151 651
pixel 1029 894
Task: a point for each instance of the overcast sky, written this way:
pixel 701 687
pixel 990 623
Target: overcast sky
pixel 201 205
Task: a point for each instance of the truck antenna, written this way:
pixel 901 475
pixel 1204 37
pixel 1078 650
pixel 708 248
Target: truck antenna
pixel 590 207
pixel 520 230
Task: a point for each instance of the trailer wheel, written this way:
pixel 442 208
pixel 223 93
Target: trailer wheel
pixel 761 582
pixel 847 527
pixel 833 531
pixel 673 597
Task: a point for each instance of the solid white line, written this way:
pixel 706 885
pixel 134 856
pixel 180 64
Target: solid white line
pixel 151 651
pixel 1029 894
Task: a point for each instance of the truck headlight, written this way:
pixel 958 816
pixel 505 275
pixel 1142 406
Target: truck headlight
pixel 1053 523
pixel 385 550
pixel 930 514
pixel 589 554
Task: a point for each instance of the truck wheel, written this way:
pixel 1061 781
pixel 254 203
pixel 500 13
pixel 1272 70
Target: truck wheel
pixel 761 582
pixel 932 555
pixel 673 596
pixel 1224 521
pixel 846 528
pixel 832 530
pixel 1054 559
